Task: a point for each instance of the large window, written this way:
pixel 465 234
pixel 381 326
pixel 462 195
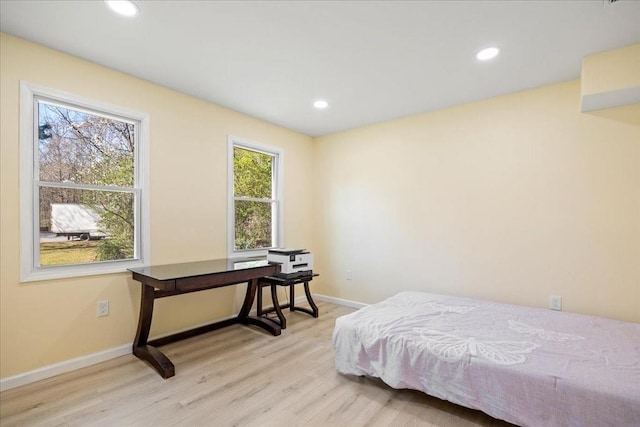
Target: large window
pixel 83 199
pixel 255 197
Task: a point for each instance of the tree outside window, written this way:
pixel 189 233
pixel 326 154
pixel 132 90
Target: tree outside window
pixel 255 197
pixel 86 185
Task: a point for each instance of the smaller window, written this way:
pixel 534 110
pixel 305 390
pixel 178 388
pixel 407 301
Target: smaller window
pixel 255 198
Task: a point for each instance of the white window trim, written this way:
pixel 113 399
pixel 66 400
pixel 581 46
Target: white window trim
pixel 29 221
pixel 279 192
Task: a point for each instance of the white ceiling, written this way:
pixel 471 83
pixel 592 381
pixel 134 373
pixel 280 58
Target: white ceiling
pixel 373 61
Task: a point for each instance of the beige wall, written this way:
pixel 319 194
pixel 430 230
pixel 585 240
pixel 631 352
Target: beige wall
pixel 511 199
pixel 43 323
pixel 612 70
pixel 611 79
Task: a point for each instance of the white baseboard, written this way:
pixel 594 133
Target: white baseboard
pixel 298 300
pixel 102 356
pixel 339 301
pixel 79 362
pixel 333 300
pixel 63 367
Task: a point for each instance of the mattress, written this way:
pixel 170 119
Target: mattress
pixel 528 366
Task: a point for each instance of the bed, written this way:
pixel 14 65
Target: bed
pixel 528 366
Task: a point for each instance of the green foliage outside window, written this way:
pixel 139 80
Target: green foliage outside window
pixel 253 195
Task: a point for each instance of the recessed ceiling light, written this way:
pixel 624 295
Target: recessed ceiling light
pixel 488 53
pixel 321 104
pixel 123 7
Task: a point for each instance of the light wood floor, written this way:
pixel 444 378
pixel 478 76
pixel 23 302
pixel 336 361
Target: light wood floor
pixel 237 376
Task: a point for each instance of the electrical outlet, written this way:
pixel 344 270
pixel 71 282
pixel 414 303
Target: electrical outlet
pixel 103 308
pixel 349 276
pixel 555 302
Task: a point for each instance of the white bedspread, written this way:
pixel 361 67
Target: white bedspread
pixel 528 366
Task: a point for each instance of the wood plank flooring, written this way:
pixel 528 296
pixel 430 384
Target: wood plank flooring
pixel 236 376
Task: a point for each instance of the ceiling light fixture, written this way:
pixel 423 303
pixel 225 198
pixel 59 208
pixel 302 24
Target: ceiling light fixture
pixel 320 104
pixel 123 7
pixel 488 53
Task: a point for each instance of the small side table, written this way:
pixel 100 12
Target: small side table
pixel 274 281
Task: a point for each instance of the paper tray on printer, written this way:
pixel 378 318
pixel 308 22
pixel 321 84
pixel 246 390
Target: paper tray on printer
pixel 286 251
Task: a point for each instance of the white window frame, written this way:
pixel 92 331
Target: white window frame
pixel 29 196
pixel 278 182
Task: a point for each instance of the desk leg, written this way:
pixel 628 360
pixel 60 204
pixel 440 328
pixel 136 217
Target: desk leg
pixel 276 307
pixel 313 305
pixel 292 297
pixel 155 357
pixel 243 316
pixel 252 287
pixel 259 303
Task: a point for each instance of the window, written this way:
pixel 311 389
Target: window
pixel 84 204
pixel 255 198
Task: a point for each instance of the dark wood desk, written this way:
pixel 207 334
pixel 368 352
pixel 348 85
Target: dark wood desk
pixel 175 279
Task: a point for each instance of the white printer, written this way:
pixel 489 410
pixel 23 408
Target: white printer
pixel 294 262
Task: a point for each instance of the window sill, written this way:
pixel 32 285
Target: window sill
pixel 249 254
pixel 70 271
